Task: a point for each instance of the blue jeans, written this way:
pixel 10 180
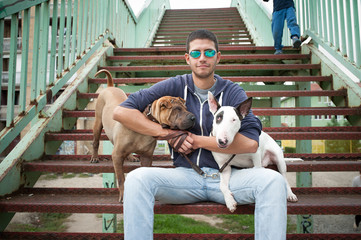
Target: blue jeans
pixel 264 187
pixel 278 22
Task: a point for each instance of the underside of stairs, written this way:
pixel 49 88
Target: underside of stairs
pixel 265 77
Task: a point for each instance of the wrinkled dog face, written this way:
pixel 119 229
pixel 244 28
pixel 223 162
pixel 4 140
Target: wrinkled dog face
pixel 174 114
pixel 227 120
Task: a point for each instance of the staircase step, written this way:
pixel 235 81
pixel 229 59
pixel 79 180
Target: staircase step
pixel 80 166
pixel 167 236
pixel 225 58
pixel 105 200
pixel 274 135
pixel 220 67
pixel 329 93
pixel 303 156
pixel 230 49
pixel 299 111
pixel 168 23
pixel 234 79
pixel 221 41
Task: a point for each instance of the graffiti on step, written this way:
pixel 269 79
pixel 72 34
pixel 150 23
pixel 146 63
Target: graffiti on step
pixel 306 224
pixel 109 184
pixel 108 224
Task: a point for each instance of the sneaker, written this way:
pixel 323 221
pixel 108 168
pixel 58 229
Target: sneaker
pixel 277 52
pixel 296 42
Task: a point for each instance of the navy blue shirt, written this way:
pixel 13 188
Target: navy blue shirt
pixel 226 92
pixel 282 4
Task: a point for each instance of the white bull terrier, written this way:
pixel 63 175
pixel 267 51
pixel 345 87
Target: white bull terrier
pixel 226 124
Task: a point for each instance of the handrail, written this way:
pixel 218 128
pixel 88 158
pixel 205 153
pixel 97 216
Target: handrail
pixel 334 25
pixel 57 36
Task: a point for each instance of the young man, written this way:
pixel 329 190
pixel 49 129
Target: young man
pixel 143 186
pixel 284 10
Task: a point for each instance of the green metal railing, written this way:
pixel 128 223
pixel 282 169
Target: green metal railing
pixel 333 24
pixel 59 37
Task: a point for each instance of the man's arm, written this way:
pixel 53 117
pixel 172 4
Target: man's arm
pixel 240 144
pixel 136 121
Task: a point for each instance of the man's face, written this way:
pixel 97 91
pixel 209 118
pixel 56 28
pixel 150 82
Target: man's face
pixel 202 66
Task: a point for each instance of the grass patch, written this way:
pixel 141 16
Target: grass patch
pixel 245 224
pixel 85 175
pixel 68 175
pixel 237 223
pixel 178 224
pixel 42 222
pixel 49 176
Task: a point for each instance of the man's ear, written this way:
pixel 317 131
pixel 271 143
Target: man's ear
pixel 244 107
pixel 213 104
pixel 186 56
pixel 218 57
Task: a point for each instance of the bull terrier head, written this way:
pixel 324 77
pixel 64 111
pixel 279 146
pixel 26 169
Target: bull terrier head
pixel 227 119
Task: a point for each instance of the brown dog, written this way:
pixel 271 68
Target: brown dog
pixel 168 111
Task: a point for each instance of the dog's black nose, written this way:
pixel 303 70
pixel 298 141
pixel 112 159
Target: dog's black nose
pixel 192 117
pixel 222 143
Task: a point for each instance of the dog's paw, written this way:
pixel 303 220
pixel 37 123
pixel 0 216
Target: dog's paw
pixel 132 158
pixel 94 160
pixel 292 197
pixel 231 204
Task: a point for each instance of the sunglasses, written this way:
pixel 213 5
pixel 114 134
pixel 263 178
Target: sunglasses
pixel 207 53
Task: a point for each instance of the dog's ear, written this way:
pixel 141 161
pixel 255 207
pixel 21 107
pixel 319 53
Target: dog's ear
pixel 181 100
pixel 244 107
pixel 165 104
pixel 213 103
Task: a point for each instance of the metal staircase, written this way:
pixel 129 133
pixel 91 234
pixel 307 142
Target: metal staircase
pixel 264 76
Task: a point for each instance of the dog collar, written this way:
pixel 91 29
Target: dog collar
pixel 148 113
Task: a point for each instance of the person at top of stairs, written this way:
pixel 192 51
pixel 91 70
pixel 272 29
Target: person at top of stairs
pixel 181 185
pixel 284 10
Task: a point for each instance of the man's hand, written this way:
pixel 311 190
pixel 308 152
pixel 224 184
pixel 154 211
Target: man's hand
pixel 180 141
pixel 186 147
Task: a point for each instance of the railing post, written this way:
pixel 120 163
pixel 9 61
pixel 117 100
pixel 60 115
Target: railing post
pixel 356 6
pixel 54 30
pixel 12 70
pixel 304 179
pixel 74 29
pixel 24 59
pixel 335 29
pixel 109 181
pixel 61 40
pixel 67 38
pixel 2 26
pixel 43 48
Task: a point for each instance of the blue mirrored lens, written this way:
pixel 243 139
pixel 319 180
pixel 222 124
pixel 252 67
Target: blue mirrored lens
pixel 207 53
pixel 195 54
pixel 210 53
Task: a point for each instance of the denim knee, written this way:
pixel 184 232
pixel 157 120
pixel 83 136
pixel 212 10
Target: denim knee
pixel 135 178
pixel 275 182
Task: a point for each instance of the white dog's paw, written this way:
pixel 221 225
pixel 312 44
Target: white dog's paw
pixel 231 203
pixel 291 197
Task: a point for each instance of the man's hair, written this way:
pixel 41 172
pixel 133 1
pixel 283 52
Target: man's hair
pixel 201 34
